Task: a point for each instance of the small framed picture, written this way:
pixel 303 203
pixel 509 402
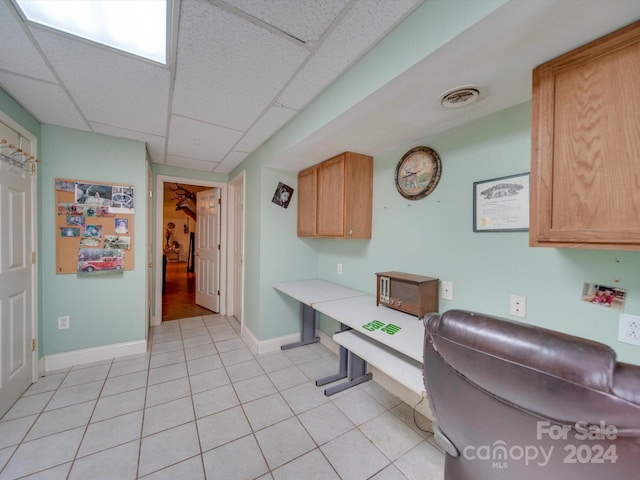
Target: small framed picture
pixel 282 195
pixel 604 295
pixel 501 204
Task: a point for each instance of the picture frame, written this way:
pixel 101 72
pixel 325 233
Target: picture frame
pixel 282 195
pixel 501 204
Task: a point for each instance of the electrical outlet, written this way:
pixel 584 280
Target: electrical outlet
pixel 64 322
pixel 629 329
pixel 339 269
pixel 518 306
pixel 447 290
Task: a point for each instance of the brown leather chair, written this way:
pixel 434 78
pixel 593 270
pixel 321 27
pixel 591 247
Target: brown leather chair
pixel 513 401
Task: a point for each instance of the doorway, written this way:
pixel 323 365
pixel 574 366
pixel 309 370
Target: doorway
pixel 176 248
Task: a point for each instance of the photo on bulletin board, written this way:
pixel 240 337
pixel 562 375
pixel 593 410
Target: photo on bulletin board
pixel 69 232
pixel 100 261
pixel 122 225
pixel 77 220
pixel 117 242
pixel 118 198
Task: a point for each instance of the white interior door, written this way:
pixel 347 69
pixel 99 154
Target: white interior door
pixel 16 278
pixel 207 264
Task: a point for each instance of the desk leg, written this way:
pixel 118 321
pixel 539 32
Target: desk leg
pixel 307 330
pixel 342 370
pixel 357 375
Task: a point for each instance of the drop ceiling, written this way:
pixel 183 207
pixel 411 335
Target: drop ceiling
pixel 239 70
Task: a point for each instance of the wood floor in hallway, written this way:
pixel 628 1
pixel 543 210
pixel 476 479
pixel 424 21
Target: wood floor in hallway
pixel 179 300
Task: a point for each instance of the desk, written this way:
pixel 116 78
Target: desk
pixel 389 339
pixel 310 293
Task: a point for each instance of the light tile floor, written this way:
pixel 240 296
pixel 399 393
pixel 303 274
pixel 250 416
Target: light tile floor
pixel 201 405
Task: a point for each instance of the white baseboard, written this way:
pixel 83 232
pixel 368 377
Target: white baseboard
pixel 49 363
pixel 271 345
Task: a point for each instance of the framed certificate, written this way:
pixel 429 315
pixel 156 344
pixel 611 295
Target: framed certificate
pixel 501 204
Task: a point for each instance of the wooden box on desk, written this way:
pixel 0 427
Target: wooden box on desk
pixel 412 294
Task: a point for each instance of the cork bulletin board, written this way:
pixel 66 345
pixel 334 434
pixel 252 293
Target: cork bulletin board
pixel 94 227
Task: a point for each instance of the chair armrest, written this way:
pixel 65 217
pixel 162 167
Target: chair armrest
pixel 626 382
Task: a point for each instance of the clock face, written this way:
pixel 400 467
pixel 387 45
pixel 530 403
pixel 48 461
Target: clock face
pixel 418 173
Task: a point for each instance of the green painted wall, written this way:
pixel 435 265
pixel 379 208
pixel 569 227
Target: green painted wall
pixel 104 310
pixel 269 255
pixel 434 237
pixel 14 110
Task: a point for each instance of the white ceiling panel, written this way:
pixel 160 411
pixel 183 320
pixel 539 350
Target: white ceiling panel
pixel 46 101
pixel 193 164
pixel 110 87
pixel 267 125
pixel 230 161
pixel 228 69
pixel 155 143
pixel 199 140
pixel 306 21
pixel 360 28
pixel 17 49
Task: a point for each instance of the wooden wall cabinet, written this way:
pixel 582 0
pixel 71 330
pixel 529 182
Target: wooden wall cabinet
pixel 335 198
pixel 307 193
pixel 585 163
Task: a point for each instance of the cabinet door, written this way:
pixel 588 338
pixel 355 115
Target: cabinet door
pixel 585 169
pixel 358 195
pixel 307 192
pixel 331 201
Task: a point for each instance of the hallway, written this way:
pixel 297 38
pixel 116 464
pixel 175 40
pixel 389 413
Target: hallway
pixel 179 300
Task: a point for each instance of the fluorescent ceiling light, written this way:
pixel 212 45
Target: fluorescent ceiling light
pixel 135 26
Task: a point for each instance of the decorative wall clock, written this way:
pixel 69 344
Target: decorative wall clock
pixel 418 173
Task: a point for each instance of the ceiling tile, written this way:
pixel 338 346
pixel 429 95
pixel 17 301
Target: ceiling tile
pixel 199 140
pixel 47 102
pixel 361 28
pixel 183 162
pixel 17 52
pixel 230 162
pixel 306 21
pixel 228 69
pixel 110 87
pixel 155 143
pixel 267 125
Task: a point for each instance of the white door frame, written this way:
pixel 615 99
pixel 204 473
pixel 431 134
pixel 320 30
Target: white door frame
pixel 7 120
pixel 149 259
pixel 160 181
pixel 235 216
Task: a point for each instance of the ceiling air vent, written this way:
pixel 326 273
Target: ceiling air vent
pixel 461 96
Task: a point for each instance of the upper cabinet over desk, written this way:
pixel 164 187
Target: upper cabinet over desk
pixel 585 164
pixel 335 198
